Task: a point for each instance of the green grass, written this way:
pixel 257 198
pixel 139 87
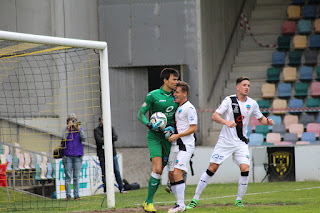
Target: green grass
pixel 260 197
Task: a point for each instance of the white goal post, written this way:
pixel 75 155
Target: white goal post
pixel 105 90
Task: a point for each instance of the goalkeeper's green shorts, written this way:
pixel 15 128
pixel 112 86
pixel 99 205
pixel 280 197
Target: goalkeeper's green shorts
pixel 158 146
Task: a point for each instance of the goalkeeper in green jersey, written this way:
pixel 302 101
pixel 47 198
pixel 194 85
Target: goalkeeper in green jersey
pixel 159 100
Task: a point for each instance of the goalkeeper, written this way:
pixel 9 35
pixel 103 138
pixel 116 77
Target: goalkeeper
pixel 159 100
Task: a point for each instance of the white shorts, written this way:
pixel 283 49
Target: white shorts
pixel 179 159
pixel 240 153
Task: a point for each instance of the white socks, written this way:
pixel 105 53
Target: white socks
pixel 204 180
pixel 242 186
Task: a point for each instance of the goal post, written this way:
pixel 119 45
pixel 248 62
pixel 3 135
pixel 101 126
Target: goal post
pixel 39 92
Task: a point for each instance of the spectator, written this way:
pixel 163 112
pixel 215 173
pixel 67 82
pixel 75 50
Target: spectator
pixel 72 155
pixel 98 136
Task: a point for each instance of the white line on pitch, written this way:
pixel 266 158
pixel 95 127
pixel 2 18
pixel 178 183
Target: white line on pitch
pixel 257 193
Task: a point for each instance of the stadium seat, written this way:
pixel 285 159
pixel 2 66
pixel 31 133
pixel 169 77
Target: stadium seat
pixel 289 74
pixel 274 138
pixel 318 119
pixel 33 160
pixel 289 27
pixel 310 57
pixel 296 128
pixel 306 73
pixel 278 59
pixel 254 122
pixel 309 136
pixel 314 42
pixel 290 119
pixel 10 160
pixel 49 171
pixel 264 105
pixel 268 90
pixel 295 57
pixel 295 106
pixel 280 128
pixel 293 12
pixel 309 11
pixel 304 27
pixel 290 137
pixel 316 25
pixel 318 73
pixel 37 172
pixel 314 127
pixel 305 119
pixel 279 106
pixel 302 143
pixel 301 89
pixel 315 89
pixel 273 75
pixel 284 90
pixel 276 119
pixel 299 42
pixel 27 160
pixel 298 2
pixel 255 139
pixel 312 103
pixel 262 129
pixel 283 42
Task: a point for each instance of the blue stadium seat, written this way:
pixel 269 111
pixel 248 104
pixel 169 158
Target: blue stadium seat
pixel 309 136
pixel 276 119
pixel 284 90
pixel 304 27
pixel 305 119
pixel 278 58
pixel 249 131
pixel 290 137
pixel 314 1
pixel 306 73
pixel 310 11
pixel 294 104
pixel 255 139
pixel 280 128
pixel 310 57
pixel 314 41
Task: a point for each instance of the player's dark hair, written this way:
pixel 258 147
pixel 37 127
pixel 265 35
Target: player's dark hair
pixel 240 79
pixel 166 72
pixel 184 86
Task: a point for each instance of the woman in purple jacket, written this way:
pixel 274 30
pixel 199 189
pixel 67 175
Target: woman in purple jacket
pixel 72 155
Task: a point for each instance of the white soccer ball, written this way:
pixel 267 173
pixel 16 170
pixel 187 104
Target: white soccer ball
pixel 159 116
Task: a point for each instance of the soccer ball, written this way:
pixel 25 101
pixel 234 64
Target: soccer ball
pixel 159 116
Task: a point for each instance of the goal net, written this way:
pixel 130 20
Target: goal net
pixel 41 85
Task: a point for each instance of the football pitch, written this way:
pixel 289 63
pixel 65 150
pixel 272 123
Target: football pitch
pixel 260 197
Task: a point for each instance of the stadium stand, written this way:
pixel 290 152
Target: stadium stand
pixel 268 90
pixel 255 139
pixel 293 12
pixel 298 2
pixel 290 137
pixel 276 119
pixel 305 119
pixel 299 42
pixel 273 75
pixel 301 89
pixel 310 57
pixel 295 106
pixel 280 128
pixel 306 73
pixel 314 41
pixel 254 122
pixel 289 75
pixel 262 129
pixel 284 90
pixel 296 128
pixel 264 105
pixel 295 57
pixel 314 127
pixel 279 106
pixel 315 89
pixel 309 11
pixel 283 43
pixel 309 136
pixel 316 25
pixel 304 27
pixel 274 138
pixel 289 27
pixel 318 73
pixel 290 119
pixel 278 59
pixel 312 102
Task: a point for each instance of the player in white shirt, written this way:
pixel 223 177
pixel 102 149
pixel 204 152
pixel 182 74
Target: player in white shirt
pixel 182 144
pixel 232 139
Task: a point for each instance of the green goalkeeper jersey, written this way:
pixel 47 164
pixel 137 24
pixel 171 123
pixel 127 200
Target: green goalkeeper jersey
pixel 158 100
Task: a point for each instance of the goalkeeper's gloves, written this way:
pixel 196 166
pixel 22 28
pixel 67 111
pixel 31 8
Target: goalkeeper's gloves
pixel 154 126
pixel 168 131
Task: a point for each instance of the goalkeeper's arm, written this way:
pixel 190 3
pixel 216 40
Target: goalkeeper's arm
pixel 144 109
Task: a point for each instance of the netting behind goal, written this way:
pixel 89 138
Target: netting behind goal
pixel 40 86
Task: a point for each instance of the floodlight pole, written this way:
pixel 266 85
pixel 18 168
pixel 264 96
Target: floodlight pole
pixel 107 132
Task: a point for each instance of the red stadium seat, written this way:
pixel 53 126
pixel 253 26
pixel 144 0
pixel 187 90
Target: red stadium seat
pixel 315 89
pixel 288 27
pixel 314 127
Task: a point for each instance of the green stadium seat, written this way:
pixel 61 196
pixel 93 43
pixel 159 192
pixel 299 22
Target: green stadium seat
pixel 301 89
pixel 273 75
pixel 295 57
pixel 312 102
pixel 284 42
pixel 318 73
pixel 262 129
pixel 263 105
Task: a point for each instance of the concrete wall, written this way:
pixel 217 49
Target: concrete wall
pixel 216 20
